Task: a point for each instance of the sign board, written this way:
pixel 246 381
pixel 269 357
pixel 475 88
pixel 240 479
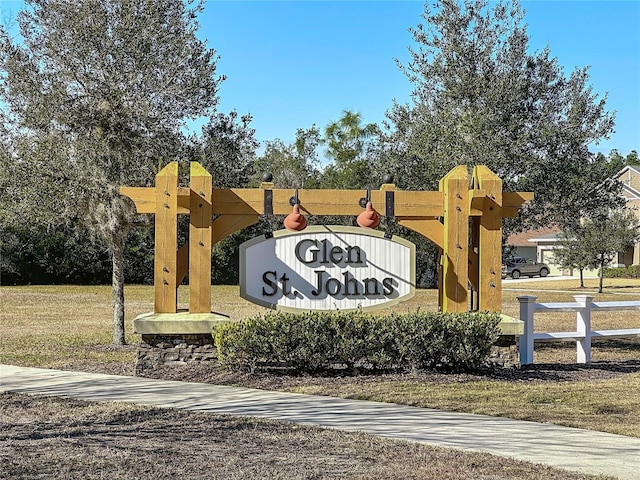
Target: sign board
pixel 327 268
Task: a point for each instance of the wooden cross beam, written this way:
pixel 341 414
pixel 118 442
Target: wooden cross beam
pixel 250 201
pixel 463 218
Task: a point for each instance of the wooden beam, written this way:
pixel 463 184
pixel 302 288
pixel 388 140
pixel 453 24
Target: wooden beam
pixel 515 199
pixel 239 201
pixel 144 199
pixel 455 258
pixel 183 264
pixel 429 227
pixel 324 202
pixel 250 201
pixel 166 240
pixel 490 240
pixel 511 201
pixel 225 225
pixel 200 233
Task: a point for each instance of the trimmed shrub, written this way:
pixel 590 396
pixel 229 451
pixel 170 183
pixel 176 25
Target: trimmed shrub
pixel 632 271
pixel 616 272
pixel 313 341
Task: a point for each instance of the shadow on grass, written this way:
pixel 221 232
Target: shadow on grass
pixel 555 372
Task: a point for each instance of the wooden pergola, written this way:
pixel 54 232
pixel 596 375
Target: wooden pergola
pixel 463 218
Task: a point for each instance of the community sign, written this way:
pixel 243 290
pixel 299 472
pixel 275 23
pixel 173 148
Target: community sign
pixel 327 268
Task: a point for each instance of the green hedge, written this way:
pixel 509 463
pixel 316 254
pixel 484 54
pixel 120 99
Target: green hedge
pixel 314 341
pixel 632 271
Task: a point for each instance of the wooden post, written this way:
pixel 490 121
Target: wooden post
pixel 489 240
pixel 166 240
pixel 200 240
pixel 455 258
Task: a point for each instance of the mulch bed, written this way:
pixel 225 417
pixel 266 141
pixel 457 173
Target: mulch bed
pixel 279 380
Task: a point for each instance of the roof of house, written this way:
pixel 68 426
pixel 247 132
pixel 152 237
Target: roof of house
pixel 525 239
pixel 635 168
pixel 629 192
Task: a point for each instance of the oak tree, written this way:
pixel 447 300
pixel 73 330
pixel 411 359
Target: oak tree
pixel 480 97
pixel 95 95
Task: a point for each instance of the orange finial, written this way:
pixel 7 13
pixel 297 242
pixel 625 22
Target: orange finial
pixel 369 218
pixel 295 220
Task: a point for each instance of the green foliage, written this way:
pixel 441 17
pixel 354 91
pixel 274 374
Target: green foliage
pixel 632 271
pixel 227 150
pixel 572 251
pixel 62 254
pixel 632 158
pixel 95 95
pixel 58 255
pixel 313 341
pixel 481 97
pixel 596 241
pixel 294 165
pixel 346 141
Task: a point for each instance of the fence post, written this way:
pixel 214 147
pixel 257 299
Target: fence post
pixel 525 342
pixel 583 327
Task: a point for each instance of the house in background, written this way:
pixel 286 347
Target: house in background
pixel 629 176
pixel 538 244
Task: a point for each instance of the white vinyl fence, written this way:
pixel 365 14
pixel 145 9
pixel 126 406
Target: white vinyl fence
pixel 583 306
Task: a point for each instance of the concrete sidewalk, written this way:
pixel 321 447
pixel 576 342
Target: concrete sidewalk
pixel 582 451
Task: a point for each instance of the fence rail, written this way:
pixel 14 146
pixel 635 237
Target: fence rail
pixel 583 306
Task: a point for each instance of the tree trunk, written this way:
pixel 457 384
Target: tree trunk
pixel 601 277
pixel 582 278
pixel 117 287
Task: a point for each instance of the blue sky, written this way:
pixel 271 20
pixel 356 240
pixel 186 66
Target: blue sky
pixel 292 64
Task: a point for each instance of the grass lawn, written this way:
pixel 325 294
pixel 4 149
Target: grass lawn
pixel 69 327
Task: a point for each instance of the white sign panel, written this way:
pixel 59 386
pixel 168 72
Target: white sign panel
pixel 327 268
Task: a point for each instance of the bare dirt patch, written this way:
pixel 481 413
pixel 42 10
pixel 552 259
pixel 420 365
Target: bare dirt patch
pixel 43 437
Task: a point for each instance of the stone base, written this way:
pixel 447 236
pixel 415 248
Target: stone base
pixel 176 338
pixel 505 353
pixel 181 323
pixel 160 350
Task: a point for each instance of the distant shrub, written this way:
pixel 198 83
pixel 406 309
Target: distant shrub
pixel 313 341
pixel 632 271
pixel 615 272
